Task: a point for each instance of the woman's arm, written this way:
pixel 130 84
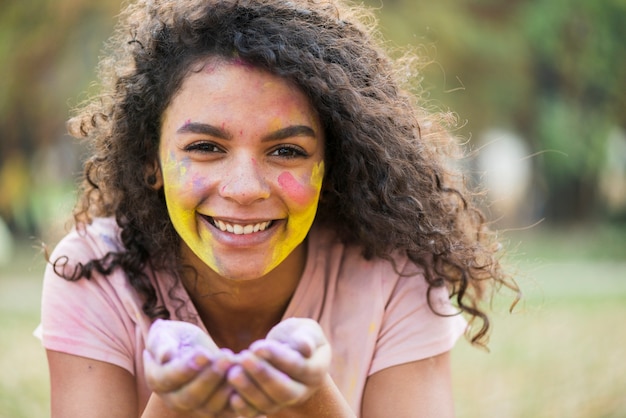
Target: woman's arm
pixel 418 389
pixel 327 402
pixel 86 388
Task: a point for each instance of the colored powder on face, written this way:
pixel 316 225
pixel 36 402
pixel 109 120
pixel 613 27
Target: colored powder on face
pixel 238 61
pixel 177 185
pixel 198 183
pixel 299 224
pixel 317 176
pixel 296 191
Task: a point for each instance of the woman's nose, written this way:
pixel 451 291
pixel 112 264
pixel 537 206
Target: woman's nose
pixel 243 182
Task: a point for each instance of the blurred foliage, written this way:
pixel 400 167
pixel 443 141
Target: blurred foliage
pixel 552 71
pixel 48 50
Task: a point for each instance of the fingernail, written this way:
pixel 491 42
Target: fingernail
pixel 221 365
pixel 198 361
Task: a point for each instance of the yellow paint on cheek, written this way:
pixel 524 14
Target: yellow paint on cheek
pixel 184 218
pixel 317 176
pixel 299 223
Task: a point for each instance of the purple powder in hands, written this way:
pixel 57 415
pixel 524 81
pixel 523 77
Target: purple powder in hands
pixel 169 339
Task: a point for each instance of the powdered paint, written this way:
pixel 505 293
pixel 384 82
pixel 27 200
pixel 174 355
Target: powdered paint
pixel 296 191
pixel 179 188
pixel 299 223
pixel 240 62
pixel 257 112
pixel 169 339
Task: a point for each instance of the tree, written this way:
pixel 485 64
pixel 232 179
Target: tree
pixel 49 50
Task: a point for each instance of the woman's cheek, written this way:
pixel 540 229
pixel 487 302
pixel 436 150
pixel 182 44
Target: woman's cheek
pixel 181 183
pixel 303 193
pixel 306 197
pixel 296 191
pixel 179 191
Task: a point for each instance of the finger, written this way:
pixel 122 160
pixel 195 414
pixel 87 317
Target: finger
pixel 276 386
pixel 303 344
pixel 181 369
pixel 309 371
pixel 242 408
pixel 207 391
pixel 270 349
pixel 301 334
pixel 256 399
pixel 167 338
pixel 162 345
pixel 219 400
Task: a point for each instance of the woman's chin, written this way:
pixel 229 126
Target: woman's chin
pixel 239 274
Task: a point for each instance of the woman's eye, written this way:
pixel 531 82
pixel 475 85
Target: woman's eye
pixel 205 147
pixel 289 152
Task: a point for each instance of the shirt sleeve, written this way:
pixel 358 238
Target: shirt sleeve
pixel 86 317
pixel 410 330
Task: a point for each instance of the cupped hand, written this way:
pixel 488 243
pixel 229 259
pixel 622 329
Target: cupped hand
pixel 190 373
pixel 282 370
pixel 187 370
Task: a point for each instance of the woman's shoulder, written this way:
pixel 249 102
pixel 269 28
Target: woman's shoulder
pixel 349 263
pixel 87 241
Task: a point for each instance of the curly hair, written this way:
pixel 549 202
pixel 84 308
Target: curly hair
pixel 391 185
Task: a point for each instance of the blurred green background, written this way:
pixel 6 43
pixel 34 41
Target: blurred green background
pixel 539 88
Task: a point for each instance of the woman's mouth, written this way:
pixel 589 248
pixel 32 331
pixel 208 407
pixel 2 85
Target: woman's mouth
pixel 239 229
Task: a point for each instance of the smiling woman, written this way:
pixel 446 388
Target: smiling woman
pixel 268 225
pixel 240 170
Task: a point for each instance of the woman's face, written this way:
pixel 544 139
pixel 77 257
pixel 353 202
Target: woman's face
pixel 241 161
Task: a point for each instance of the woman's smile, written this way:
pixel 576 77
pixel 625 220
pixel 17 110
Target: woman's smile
pixel 241 163
pixel 240 228
pixel 241 233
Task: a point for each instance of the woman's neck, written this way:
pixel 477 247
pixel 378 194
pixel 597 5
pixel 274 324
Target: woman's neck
pixel 237 313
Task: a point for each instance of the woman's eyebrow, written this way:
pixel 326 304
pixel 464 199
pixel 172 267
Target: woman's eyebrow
pixel 203 128
pixel 208 129
pixel 290 132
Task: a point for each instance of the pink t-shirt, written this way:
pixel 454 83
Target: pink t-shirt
pixel 373 317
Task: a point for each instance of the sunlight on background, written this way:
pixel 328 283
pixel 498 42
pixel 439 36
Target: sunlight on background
pixel 538 87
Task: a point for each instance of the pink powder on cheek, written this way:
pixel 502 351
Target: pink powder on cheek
pixel 296 191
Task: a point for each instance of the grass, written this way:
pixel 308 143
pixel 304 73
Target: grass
pixel 554 358
pixel 560 354
pixel 24 388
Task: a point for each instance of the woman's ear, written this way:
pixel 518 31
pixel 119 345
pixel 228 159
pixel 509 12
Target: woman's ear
pixel 154 178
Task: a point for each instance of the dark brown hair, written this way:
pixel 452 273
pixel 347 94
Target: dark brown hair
pixel 390 184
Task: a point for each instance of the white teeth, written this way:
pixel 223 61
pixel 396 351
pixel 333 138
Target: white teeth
pixel 238 229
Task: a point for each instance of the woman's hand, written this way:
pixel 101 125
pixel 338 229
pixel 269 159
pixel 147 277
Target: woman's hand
pixel 191 374
pixel 282 370
pixel 187 370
